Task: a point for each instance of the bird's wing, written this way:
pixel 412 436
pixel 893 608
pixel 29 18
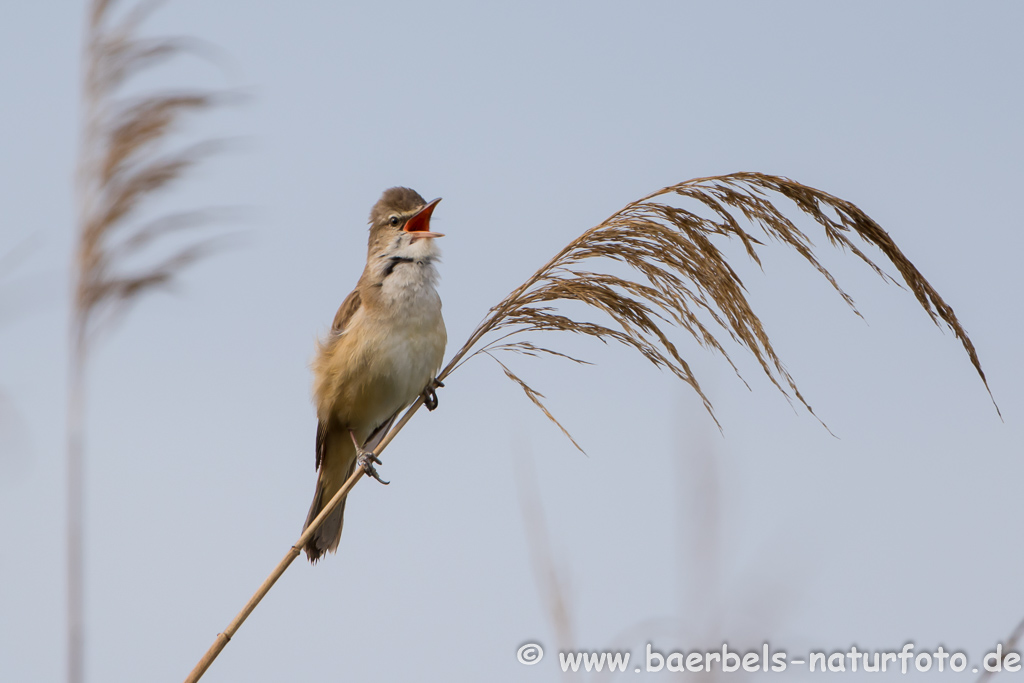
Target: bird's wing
pixel 348 308
pixel 321 442
pixel 377 435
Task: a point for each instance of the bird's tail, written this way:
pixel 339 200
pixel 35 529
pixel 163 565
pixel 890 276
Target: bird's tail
pixel 337 461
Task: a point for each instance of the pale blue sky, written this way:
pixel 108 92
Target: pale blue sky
pixel 533 121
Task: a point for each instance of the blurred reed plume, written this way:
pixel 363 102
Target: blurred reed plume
pixel 551 584
pixel 709 612
pixel 685 280
pixel 681 279
pixel 122 162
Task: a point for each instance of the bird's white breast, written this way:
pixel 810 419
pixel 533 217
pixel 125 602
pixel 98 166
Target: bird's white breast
pixel 415 346
pixel 389 353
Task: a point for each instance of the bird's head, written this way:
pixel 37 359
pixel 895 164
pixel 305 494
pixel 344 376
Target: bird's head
pixel 400 224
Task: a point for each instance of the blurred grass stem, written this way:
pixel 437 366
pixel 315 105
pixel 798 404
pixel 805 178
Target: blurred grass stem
pixel 121 164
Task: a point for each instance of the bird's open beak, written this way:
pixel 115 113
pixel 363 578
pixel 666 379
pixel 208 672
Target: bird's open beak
pixel 419 224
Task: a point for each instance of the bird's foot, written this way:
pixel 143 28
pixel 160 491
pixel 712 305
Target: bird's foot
pixel 430 395
pixel 366 460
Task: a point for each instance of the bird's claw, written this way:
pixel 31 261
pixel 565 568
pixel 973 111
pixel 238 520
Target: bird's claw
pixel 430 395
pixel 365 462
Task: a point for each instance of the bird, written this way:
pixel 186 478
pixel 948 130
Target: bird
pixel 383 351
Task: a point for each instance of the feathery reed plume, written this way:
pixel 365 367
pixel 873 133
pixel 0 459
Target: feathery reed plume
pixel 122 162
pixel 684 274
pixel 685 278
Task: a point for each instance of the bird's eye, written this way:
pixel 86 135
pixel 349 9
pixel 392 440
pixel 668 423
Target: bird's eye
pixel 393 220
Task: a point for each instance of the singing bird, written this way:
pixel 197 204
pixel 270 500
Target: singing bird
pixel 383 351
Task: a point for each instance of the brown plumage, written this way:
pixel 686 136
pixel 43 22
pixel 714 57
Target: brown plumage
pixel 384 349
